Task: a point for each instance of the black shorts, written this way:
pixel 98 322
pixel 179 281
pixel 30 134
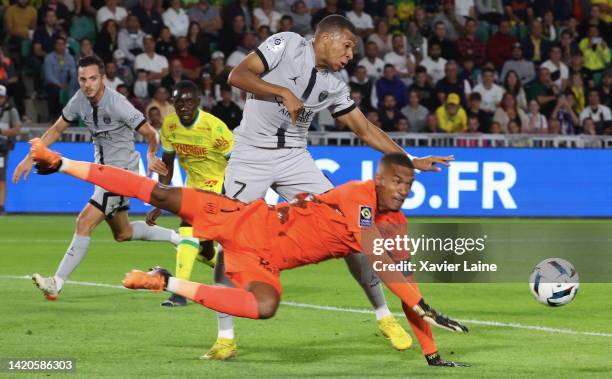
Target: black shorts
pixel 3 166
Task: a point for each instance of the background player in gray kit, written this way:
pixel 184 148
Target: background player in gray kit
pixel 112 121
pixel 289 80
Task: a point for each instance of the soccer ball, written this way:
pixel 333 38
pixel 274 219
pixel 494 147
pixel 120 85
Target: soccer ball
pixel 554 282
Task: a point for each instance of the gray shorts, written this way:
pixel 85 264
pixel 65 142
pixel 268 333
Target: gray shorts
pixel 108 203
pixel 252 170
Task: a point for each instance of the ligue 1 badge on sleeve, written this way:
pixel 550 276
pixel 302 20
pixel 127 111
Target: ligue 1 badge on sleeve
pixel 365 216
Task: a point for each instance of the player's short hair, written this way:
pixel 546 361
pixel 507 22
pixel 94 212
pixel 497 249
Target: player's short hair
pixel 186 85
pixel 400 159
pixel 92 60
pixel 335 22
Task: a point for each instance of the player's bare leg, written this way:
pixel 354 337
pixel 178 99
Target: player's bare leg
pixel 125 230
pixel 2 195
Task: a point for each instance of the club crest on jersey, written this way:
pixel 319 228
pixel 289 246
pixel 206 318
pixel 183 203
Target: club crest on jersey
pixel 275 44
pixel 323 95
pixel 365 216
pixel 107 119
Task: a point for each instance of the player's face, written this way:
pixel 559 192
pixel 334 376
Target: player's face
pixel 186 105
pixel 339 48
pixel 393 185
pixel 91 80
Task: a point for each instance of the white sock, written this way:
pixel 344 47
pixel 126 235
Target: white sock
pixel 226 326
pixel 382 312
pixel 144 232
pixel 64 165
pixel 59 282
pixel 172 284
pixel 175 238
pixel 72 258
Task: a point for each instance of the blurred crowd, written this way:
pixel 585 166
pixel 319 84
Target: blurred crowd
pixel 462 66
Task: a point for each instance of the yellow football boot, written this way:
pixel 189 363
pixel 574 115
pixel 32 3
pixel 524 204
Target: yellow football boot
pixel 224 348
pixel 394 332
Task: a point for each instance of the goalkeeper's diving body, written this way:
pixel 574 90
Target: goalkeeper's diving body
pixel 262 240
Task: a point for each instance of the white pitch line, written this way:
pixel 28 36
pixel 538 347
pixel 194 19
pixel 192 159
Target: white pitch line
pixel 512 325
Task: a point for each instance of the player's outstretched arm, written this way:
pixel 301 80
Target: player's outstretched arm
pixel 50 136
pixel 247 77
pixel 374 137
pixel 154 164
pixel 369 133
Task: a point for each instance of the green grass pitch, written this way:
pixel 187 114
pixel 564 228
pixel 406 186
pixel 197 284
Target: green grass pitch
pixel 121 333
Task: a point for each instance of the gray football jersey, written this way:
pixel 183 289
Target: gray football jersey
pixel 289 61
pixel 112 124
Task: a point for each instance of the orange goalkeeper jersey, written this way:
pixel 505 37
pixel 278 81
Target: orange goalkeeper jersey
pixel 314 228
pixel 309 229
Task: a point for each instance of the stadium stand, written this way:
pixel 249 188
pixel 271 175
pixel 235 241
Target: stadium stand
pixel 528 73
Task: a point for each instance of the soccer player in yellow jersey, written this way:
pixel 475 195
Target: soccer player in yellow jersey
pixel 202 143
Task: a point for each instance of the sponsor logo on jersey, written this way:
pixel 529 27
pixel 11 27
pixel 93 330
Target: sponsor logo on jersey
pixel 221 143
pixel 211 183
pixel 190 150
pixel 365 216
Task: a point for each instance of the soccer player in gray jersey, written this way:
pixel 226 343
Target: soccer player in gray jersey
pixel 112 121
pixel 290 79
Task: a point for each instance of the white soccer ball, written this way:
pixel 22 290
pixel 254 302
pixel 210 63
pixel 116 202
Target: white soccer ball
pixel 554 282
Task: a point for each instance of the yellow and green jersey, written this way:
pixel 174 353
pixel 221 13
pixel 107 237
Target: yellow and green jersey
pixel 202 148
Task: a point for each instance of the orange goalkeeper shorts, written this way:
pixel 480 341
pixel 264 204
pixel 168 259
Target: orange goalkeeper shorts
pixel 244 268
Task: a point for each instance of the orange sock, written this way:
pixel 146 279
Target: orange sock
pixel 233 301
pixel 420 327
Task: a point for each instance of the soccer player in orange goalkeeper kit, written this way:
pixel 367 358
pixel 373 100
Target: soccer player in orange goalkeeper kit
pixel 262 240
